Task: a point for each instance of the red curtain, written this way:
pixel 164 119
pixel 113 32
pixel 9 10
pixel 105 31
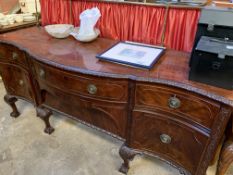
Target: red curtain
pixel 181 28
pixel 129 21
pixel 55 12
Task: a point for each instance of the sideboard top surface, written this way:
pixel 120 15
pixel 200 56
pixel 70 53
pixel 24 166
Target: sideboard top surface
pixel 68 54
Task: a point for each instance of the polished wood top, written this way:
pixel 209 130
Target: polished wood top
pixel 71 55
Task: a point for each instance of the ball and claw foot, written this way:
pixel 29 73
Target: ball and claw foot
pixel 44 114
pixel 15 114
pixel 124 169
pixel 10 100
pixel 49 130
pixel 127 155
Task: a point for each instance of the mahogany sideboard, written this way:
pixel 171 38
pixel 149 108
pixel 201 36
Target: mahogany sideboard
pixel 157 112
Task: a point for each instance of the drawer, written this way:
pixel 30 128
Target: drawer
pixel 172 140
pixel 11 54
pixel 111 117
pixel 89 86
pixel 185 104
pixel 16 81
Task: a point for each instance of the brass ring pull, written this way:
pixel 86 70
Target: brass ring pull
pixel 92 89
pixel 15 56
pixel 165 138
pixel 42 73
pixel 174 102
pixel 21 82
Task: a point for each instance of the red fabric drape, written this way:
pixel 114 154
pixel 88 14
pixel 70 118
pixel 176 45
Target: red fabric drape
pixel 55 12
pixel 129 22
pixel 181 28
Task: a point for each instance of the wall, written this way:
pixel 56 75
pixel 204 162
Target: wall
pixel 7 5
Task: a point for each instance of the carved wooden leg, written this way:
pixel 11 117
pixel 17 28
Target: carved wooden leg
pixel 226 157
pixel 127 155
pixel 44 114
pixel 10 100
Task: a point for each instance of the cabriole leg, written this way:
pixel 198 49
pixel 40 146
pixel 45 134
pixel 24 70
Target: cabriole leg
pixel 226 157
pixel 10 100
pixel 44 114
pixel 127 155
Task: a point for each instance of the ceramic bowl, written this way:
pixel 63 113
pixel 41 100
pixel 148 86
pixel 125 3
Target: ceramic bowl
pixel 19 18
pixel 2 15
pixel 11 20
pixel 85 38
pixel 29 18
pixel 4 22
pixel 59 30
pixel 26 14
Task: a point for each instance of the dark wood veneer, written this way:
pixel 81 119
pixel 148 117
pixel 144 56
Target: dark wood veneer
pixel 157 112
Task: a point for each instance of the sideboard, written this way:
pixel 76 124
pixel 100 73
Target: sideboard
pixel 156 112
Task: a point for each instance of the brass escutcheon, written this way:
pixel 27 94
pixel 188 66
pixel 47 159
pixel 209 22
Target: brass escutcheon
pixel 14 55
pixel 92 89
pixel 21 82
pixel 165 138
pixel 42 73
pixel 174 102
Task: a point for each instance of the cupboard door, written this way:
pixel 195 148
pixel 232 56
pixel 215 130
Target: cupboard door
pixel 170 139
pixel 17 81
pixel 111 117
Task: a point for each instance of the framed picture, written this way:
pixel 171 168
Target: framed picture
pixel 133 54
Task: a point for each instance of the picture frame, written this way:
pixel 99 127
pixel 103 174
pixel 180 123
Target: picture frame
pixel 132 54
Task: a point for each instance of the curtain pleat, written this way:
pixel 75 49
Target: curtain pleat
pixel 55 12
pixel 129 21
pixel 181 28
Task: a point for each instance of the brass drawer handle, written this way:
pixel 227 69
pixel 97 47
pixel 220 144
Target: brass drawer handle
pixel 165 138
pixel 15 56
pixel 92 89
pixel 42 73
pixel 21 82
pixel 174 102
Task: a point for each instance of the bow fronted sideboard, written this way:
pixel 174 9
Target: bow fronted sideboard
pixel 157 112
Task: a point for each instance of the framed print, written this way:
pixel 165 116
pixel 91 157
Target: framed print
pixel 133 54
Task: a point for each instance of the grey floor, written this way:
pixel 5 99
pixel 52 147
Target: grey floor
pixel 73 149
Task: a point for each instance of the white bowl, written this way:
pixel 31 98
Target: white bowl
pixel 4 22
pixel 11 20
pixel 19 18
pixel 85 38
pixel 26 14
pixel 59 30
pixel 2 15
pixel 29 18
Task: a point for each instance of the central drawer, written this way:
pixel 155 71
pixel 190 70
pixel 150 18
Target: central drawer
pixel 84 85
